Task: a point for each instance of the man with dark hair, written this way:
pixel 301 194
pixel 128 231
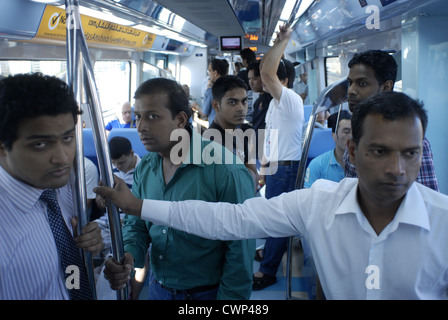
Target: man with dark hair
pixel 381 236
pixel 261 106
pixel 39 255
pixel 230 104
pixel 183 266
pixel 375 71
pixel 330 165
pixel 247 57
pixel 282 144
pixel 216 69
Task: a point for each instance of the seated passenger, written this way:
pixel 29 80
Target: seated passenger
pixel 124 161
pixel 329 165
pixel 126 114
pixel 381 236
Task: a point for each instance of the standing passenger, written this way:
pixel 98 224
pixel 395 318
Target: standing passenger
pixel 282 147
pixel 183 266
pixel 381 236
pixel 230 104
pixel 261 106
pixel 375 71
pixel 38 115
pixel 216 69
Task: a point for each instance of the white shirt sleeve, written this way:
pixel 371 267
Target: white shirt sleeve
pixel 255 218
pixel 92 178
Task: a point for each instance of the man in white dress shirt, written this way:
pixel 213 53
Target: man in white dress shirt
pixel 37 148
pixel 381 236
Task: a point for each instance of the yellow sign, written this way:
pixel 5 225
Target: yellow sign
pixel 52 28
pixel 251 37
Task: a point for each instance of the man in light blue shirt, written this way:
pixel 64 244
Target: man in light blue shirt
pixel 329 165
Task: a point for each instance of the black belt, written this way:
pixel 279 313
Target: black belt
pixel 285 163
pixel 192 290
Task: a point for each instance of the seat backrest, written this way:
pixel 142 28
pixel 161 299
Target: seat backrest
pixel 307 110
pixel 132 135
pixel 321 142
pixel 89 146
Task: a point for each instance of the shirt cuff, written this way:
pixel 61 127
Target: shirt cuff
pixel 155 211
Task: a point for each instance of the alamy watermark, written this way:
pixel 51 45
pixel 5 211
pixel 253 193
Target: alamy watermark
pixel 191 150
pixel 373 278
pixel 72 281
pixel 373 20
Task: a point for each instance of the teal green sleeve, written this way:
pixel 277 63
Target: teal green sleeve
pixel 135 234
pixel 236 280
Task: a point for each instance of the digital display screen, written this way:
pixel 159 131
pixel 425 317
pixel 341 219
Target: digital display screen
pixel 230 43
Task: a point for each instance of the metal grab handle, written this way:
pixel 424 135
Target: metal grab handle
pixel 331 97
pixel 80 75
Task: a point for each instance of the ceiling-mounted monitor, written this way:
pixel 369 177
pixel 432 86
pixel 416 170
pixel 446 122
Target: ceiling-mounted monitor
pixel 229 43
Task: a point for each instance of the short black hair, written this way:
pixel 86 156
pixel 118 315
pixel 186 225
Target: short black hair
pixel 255 67
pixel 119 146
pixel 381 62
pixel 177 98
pixel 249 55
pixel 290 73
pixel 221 66
pixel 333 122
pixel 31 95
pixel 392 106
pixel 226 83
pixel 281 71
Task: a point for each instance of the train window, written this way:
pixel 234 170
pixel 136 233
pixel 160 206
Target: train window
pixel 49 67
pixel 150 71
pixel 113 80
pixel 332 70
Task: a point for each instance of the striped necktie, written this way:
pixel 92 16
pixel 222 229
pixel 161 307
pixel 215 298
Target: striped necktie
pixel 68 251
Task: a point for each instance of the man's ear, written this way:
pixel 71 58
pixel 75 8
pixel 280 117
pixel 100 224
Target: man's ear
pixel 387 86
pixel 2 150
pixel 351 147
pixel 182 119
pixel 215 105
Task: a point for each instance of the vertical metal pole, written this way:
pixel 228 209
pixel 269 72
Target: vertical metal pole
pixel 321 104
pixel 74 77
pixel 79 55
pixel 299 185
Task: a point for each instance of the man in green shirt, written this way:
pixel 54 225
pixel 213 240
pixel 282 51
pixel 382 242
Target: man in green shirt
pixel 183 266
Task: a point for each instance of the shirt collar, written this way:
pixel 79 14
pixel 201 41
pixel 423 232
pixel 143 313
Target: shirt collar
pixel 21 194
pixel 412 209
pixel 194 157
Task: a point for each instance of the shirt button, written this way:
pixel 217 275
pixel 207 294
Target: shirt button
pixel 161 257
pixel 163 231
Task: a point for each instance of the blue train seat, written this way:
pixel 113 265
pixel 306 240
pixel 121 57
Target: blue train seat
pixel 89 146
pixel 307 109
pixel 321 142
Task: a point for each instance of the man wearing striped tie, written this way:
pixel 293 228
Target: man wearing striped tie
pixel 39 252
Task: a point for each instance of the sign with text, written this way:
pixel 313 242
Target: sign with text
pixel 52 29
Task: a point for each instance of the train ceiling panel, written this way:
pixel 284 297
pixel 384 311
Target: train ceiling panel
pixel 214 16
